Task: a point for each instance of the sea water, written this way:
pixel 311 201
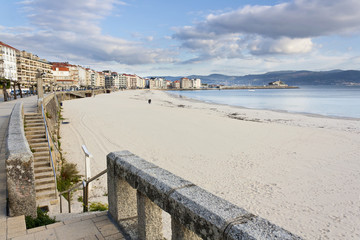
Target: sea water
pixel 334 101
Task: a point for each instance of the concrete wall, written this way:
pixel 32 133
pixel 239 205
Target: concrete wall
pixel 19 167
pixel 139 189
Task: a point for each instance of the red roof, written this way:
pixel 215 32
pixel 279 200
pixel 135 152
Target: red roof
pixel 60 68
pixel 5 45
pixel 62 64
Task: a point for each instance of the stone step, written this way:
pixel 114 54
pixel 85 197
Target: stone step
pixel 45 195
pixel 42 159
pixel 40 149
pixel 45 188
pixel 32 115
pixel 34 122
pixel 41 154
pixel 42 169
pixel 37 140
pixel 29 119
pixel 29 129
pixel 34 132
pixel 40 164
pixel 39 145
pixel 37 136
pixel 44 181
pixel 43 175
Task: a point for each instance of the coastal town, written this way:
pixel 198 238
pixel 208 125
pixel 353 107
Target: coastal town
pixel 20 67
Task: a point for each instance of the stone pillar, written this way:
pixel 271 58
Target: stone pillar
pixel 149 218
pixel 40 91
pixel 179 232
pixel 121 196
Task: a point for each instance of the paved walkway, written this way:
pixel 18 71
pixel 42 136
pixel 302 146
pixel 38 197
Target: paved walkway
pixel 30 105
pixel 95 226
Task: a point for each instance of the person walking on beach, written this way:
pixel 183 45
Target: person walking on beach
pixel 149 101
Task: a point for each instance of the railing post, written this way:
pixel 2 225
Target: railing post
pixel 149 218
pixel 85 196
pixel 60 204
pixel 69 204
pixel 88 157
pixel 121 196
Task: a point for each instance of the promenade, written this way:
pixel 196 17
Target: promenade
pixel 92 225
pixel 30 105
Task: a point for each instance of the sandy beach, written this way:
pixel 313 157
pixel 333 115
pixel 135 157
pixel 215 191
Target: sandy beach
pixel 300 172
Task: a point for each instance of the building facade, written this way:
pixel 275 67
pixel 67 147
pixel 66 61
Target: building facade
pixel 8 63
pixel 122 81
pixel 186 83
pixel 27 66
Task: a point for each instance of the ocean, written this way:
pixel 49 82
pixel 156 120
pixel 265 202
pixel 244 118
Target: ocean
pixel 332 101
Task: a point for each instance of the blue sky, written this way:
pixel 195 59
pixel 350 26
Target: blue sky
pixel 180 38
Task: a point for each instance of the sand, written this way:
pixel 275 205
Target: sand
pixel 301 172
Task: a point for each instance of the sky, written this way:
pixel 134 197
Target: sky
pixel 180 38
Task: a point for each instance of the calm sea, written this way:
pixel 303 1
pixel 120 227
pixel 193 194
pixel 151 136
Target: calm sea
pixel 324 100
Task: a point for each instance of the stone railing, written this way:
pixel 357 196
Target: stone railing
pixel 139 191
pixel 19 167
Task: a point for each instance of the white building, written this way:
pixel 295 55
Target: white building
pixel 116 79
pixel 82 76
pixel 8 67
pixel 122 81
pixel 187 83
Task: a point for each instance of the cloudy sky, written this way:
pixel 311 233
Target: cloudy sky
pixel 158 37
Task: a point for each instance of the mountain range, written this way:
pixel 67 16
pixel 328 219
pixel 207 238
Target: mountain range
pixel 292 78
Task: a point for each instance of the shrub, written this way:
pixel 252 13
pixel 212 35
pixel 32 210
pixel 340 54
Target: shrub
pixel 98 206
pixel 69 175
pixel 41 220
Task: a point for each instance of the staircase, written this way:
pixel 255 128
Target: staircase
pixel 44 177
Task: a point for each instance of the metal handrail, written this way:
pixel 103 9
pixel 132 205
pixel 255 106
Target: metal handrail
pixel 48 141
pixel 85 185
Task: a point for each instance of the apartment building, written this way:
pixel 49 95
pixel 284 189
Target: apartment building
pixel 131 81
pixel 27 66
pixel 122 81
pixel 82 76
pixel 187 83
pixel 100 76
pixel 8 67
pixel 116 80
pixel 157 83
pixel 66 76
pixel 176 84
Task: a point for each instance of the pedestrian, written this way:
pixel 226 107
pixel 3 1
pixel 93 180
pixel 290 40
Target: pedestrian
pixel 149 101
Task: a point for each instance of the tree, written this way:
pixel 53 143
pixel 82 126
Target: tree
pixel 4 84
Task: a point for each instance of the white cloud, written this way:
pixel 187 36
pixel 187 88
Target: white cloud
pixel 296 19
pixel 70 30
pixel 282 45
pixel 286 28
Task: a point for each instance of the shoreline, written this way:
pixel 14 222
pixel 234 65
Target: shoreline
pixel 231 88
pixel 298 172
pixel 317 115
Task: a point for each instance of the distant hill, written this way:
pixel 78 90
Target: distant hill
pixel 292 78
